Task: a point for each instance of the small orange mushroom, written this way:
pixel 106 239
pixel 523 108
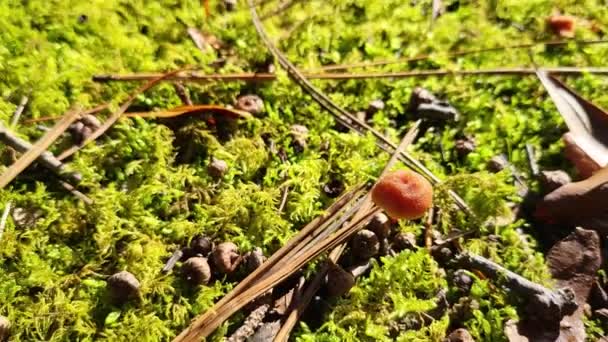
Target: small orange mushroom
pixel 562 25
pixel 403 194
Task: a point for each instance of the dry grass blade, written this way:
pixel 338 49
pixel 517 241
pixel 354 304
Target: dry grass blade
pixel 588 124
pixel 193 109
pixel 206 323
pixel 38 148
pixel 216 316
pixel 112 119
pixel 297 310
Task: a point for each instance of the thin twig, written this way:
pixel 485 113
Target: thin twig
pixel 428 229
pixel 19 111
pixel 69 187
pixel 46 159
pixel 7 210
pixel 195 76
pixel 455 54
pixel 112 119
pixel 283 199
pixel 93 110
pixel 283 6
pixel 38 148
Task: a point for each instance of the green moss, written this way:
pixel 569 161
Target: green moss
pixel 150 199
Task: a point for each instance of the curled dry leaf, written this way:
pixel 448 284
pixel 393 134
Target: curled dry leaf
pixel 587 142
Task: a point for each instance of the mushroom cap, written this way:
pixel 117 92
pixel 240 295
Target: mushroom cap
pixel 403 194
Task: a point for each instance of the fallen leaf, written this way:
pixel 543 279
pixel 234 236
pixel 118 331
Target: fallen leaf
pixel 588 123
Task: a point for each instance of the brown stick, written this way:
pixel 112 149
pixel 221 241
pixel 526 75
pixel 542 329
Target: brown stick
pixel 38 148
pixel 112 119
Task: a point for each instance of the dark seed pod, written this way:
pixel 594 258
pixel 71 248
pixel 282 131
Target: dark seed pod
pixel 254 259
pixel 86 132
pixel 442 254
pixel 76 127
pixel 464 146
pixel 380 225
pixel 402 241
pixel 551 180
pixel 201 245
pixel 333 188
pixel 226 257
pixel 460 335
pixel 5 328
pixel 498 163
pixel 338 281
pixel 375 106
pixel 123 286
pixel 230 5
pixel 197 270
pixel 420 95
pixel 217 168
pixel 462 280
pixel 440 112
pixel 91 121
pixel 365 244
pixel 250 103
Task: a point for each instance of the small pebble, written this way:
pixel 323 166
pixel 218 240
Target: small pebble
pixel 375 106
pixel 338 281
pixel 462 280
pixel 226 257
pixel 197 270
pixel 460 335
pixel 365 244
pixel 403 241
pixel 498 163
pixel 201 245
pixel 250 103
pixel 333 188
pixel 464 147
pixel 123 286
pixel 380 225
pixel 254 259
pixel 217 168
pixel 5 328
